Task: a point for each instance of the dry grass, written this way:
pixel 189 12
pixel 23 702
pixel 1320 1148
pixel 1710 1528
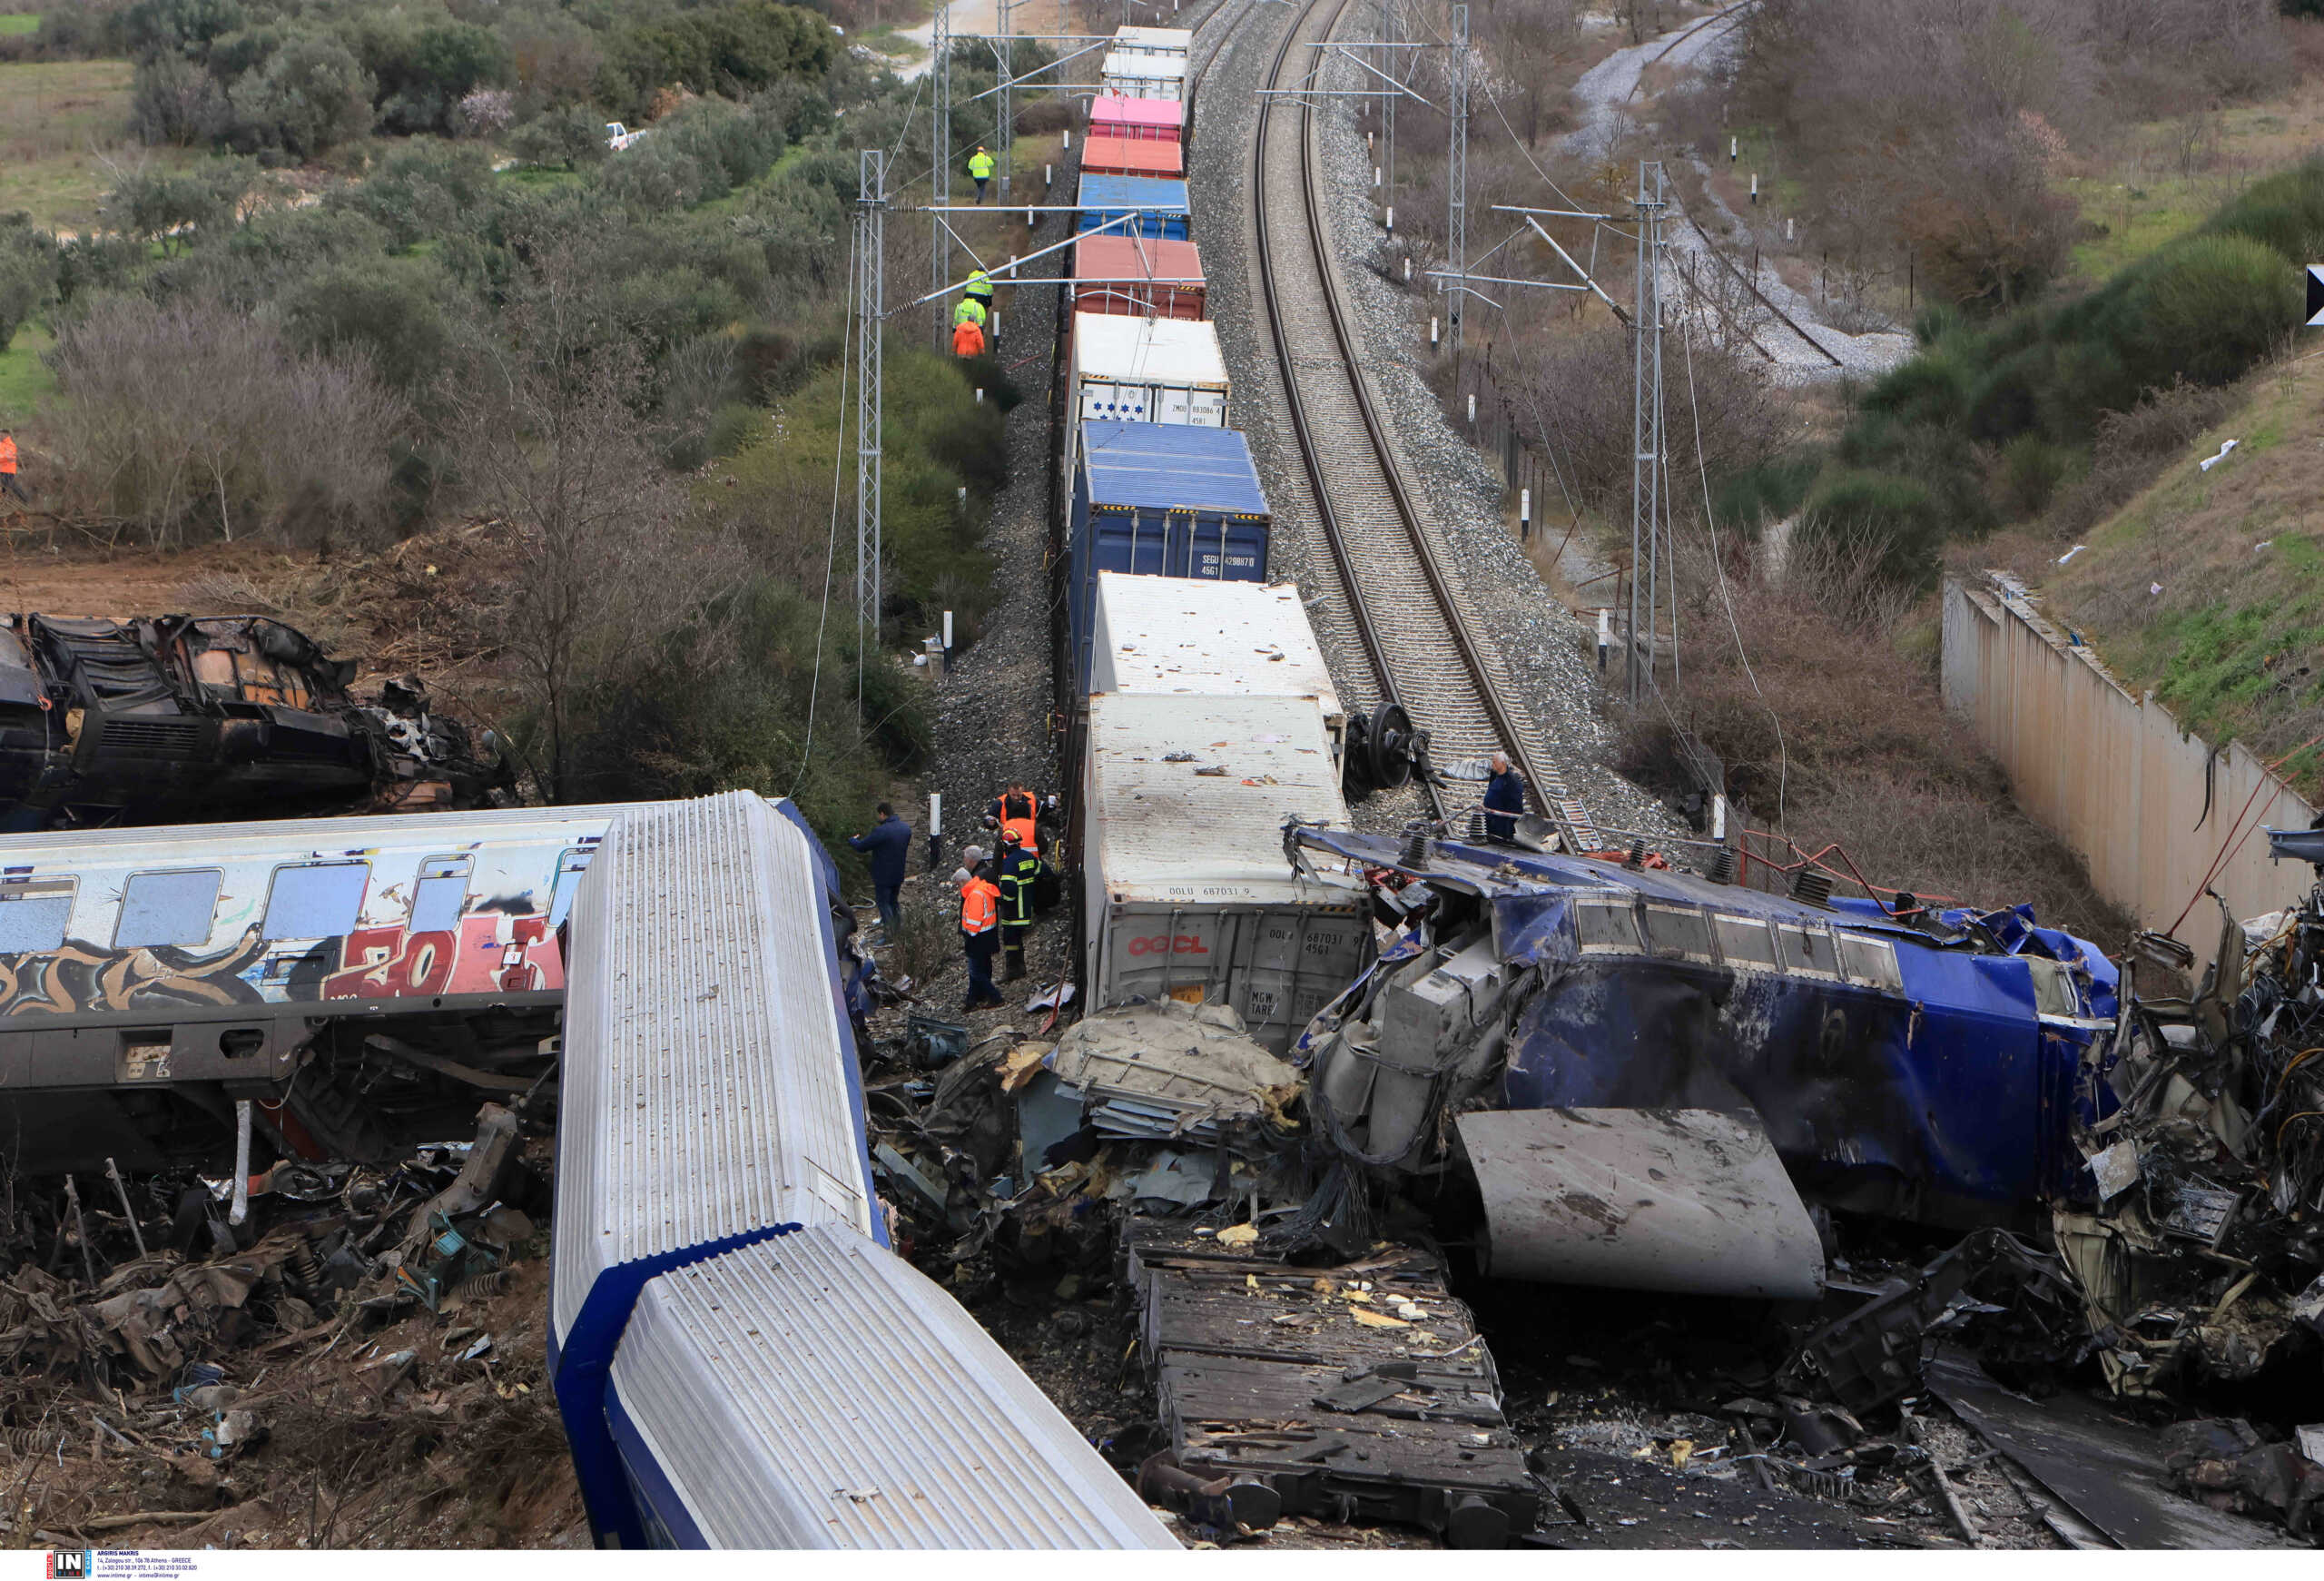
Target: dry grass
pixel 1866 756
pixel 63 129
pixel 2233 643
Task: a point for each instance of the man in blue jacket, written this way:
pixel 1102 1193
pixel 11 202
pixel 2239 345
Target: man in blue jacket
pixel 888 844
pixel 1504 799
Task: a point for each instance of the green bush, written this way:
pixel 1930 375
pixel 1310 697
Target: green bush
pixel 28 267
pixel 2206 307
pixel 311 95
pixel 572 138
pixel 391 311
pixel 1896 516
pixel 1763 493
pixel 2032 468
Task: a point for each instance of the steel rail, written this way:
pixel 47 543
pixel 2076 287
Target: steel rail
pixel 1540 780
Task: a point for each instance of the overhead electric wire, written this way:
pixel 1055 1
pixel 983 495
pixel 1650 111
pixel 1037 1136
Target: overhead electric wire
pixel 831 543
pixel 1718 568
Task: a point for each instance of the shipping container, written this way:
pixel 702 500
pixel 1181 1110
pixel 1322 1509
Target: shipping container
pixel 1161 499
pixel 1146 76
pixel 1141 370
pixel 1160 206
pixel 1146 156
pixel 1176 43
pixel 1134 275
pixel 1119 115
pixel 1187 892
pixel 1174 636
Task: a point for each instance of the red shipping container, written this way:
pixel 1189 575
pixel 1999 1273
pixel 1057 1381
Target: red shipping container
pixel 1137 275
pixel 1112 115
pixel 1133 156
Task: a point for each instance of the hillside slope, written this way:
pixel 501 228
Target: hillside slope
pixel 2208 587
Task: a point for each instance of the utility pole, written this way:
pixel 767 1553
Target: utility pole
pixel 1647 505
pixel 871 310
pixel 1006 49
pixel 1456 177
pixel 940 172
pixel 1392 25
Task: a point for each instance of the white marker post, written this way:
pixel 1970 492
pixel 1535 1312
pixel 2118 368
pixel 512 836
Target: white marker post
pixel 1605 636
pixel 1524 516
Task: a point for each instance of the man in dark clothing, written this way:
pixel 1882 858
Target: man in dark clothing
pixel 888 844
pixel 1020 868
pixel 1504 798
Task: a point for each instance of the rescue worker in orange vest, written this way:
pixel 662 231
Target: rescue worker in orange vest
pixel 1015 810
pixel 968 339
pixel 1021 866
pixel 9 483
pixel 979 928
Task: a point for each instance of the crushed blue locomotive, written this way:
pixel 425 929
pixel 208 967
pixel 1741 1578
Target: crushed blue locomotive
pixel 1931 1073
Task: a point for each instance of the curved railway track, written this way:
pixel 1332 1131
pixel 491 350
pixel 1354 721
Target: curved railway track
pixel 1410 618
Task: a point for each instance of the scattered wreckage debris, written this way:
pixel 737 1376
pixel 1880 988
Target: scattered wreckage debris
pixel 288 1379
pixel 180 718
pixel 1360 1391
pixel 2111 1472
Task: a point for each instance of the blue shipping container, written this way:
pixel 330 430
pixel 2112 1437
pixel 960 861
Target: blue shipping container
pixel 1165 501
pixel 1161 206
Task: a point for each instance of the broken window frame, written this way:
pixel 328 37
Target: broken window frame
pixel 1723 923
pixel 1707 956
pixel 1792 966
pixel 2052 980
pixel 1888 981
pixel 1626 908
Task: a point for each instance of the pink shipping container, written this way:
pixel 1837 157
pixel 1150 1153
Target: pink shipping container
pixel 1112 115
pixel 1133 156
pixel 1137 275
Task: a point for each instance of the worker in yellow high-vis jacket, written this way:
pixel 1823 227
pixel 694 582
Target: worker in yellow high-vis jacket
pixel 980 167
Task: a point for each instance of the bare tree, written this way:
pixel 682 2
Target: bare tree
pixel 610 582
pixel 196 417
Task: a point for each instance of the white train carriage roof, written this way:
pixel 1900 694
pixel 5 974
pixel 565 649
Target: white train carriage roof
pixel 710 1086
pixel 819 1392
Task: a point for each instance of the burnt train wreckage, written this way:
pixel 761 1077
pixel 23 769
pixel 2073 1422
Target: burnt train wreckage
pixel 180 717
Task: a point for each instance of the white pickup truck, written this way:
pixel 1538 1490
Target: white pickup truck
pixel 619 137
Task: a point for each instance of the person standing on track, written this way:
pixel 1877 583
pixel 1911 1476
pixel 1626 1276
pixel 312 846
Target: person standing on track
pixel 887 844
pixel 8 484
pixel 981 170
pixel 980 928
pixel 1504 798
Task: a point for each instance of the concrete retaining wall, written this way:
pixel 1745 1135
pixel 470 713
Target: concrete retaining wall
pixel 2146 805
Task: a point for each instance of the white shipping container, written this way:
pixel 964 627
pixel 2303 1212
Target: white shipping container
pixel 1174 636
pixel 1146 76
pixel 1136 369
pixel 1187 892
pixel 1177 43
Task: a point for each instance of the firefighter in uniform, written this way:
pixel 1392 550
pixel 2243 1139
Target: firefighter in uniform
pixel 980 929
pixel 1020 868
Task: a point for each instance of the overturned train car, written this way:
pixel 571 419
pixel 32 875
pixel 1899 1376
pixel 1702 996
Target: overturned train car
pixel 362 982
pixel 180 719
pixel 1648 1077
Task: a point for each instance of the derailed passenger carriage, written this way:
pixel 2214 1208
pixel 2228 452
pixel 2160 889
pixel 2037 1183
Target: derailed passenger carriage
pixel 739 1359
pixel 360 982
pixel 1646 1075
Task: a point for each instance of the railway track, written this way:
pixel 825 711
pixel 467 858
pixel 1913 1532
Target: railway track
pixel 1410 618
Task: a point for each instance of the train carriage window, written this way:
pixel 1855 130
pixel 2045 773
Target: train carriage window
pixel 1871 961
pixel 33 913
pixel 1678 930
pixel 570 866
pixel 315 900
pixel 1807 949
pixel 439 894
pixel 1746 942
pixel 159 909
pixel 1608 925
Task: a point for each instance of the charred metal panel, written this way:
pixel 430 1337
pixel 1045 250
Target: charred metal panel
pixel 1656 1200
pixel 178 718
